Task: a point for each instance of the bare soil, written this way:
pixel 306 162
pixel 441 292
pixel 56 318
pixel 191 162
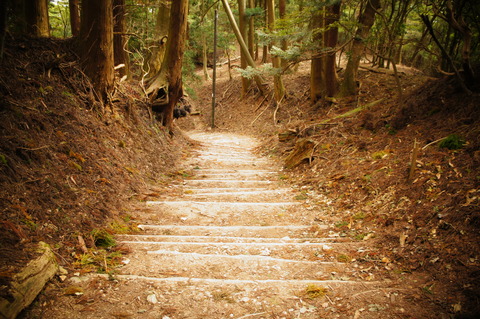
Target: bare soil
pixel 68 167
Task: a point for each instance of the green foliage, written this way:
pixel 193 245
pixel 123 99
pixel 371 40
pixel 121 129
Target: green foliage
pixel 266 69
pixel 452 142
pixel 59 18
pixel 102 238
pixel 254 12
pixel 313 291
pixel 3 159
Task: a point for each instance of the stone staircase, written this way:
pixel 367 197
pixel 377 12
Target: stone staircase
pixel 239 246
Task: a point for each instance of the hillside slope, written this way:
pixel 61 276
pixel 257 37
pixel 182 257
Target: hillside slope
pixel 359 167
pixel 67 167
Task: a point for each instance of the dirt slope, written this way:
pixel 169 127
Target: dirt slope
pixel 233 240
pixel 427 226
pixel 66 166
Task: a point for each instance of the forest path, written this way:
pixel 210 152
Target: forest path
pixel 233 240
pixel 240 243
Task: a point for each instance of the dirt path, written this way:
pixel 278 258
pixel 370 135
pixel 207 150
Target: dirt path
pixel 236 242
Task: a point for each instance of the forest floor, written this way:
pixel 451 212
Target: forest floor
pixel 409 247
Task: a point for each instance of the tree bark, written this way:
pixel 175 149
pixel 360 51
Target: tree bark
pixel 282 7
pixel 119 38
pixel 204 44
pixel 170 76
pixel 243 31
pixel 317 69
pixel 251 30
pixel 74 17
pixel 277 78
pixel 458 23
pixel 153 63
pixel 96 45
pixel 36 15
pixel 365 21
pixel 331 39
pixel 243 46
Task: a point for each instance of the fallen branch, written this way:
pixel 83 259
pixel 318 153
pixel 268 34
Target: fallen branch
pixel 413 163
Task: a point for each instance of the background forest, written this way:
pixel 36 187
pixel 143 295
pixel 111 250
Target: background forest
pixel 436 37
pixel 89 91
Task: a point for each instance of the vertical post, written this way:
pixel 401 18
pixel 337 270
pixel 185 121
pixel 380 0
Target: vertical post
pixel 214 80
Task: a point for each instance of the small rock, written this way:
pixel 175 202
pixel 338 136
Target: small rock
pixel 125 261
pixel 152 298
pixel 73 291
pixel 326 247
pixel 62 271
pixel 62 278
pixel 141 310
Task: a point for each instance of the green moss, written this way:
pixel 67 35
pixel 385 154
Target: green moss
pixel 452 142
pixel 102 238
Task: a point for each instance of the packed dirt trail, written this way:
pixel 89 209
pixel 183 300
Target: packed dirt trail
pixel 233 240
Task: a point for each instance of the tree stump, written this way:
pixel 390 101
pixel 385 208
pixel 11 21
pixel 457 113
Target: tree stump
pixel 303 150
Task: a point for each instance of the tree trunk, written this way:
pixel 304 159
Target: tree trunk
pixel 243 46
pixel 251 30
pixel 277 78
pixel 153 63
pixel 243 31
pixel 317 69
pixel 365 21
pixel 36 15
pixel 3 27
pixel 458 23
pixel 204 44
pixel 282 7
pixel 265 47
pixel 331 39
pixel 74 17
pixel 119 37
pixel 96 45
pixel 170 76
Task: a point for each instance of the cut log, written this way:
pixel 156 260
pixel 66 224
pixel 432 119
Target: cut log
pixel 303 149
pixel 287 135
pixel 28 283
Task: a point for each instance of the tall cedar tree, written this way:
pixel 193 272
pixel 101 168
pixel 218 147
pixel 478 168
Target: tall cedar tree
pixel 242 25
pixel 153 63
pixel 36 15
pixel 96 45
pixel 365 23
pixel 74 17
pixel 119 37
pixel 171 71
pixel 279 88
pixel 323 76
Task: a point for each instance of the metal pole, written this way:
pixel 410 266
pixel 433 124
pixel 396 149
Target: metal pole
pixel 214 80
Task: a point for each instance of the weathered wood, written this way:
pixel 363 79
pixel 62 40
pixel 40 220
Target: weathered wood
pixel 303 149
pixel 287 135
pixel 28 283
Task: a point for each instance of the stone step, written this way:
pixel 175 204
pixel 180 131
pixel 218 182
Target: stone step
pixel 231 183
pixel 227 239
pixel 199 190
pixel 163 262
pixel 214 209
pixel 332 284
pixel 326 251
pixel 279 231
pixel 243 196
pixel 234 176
